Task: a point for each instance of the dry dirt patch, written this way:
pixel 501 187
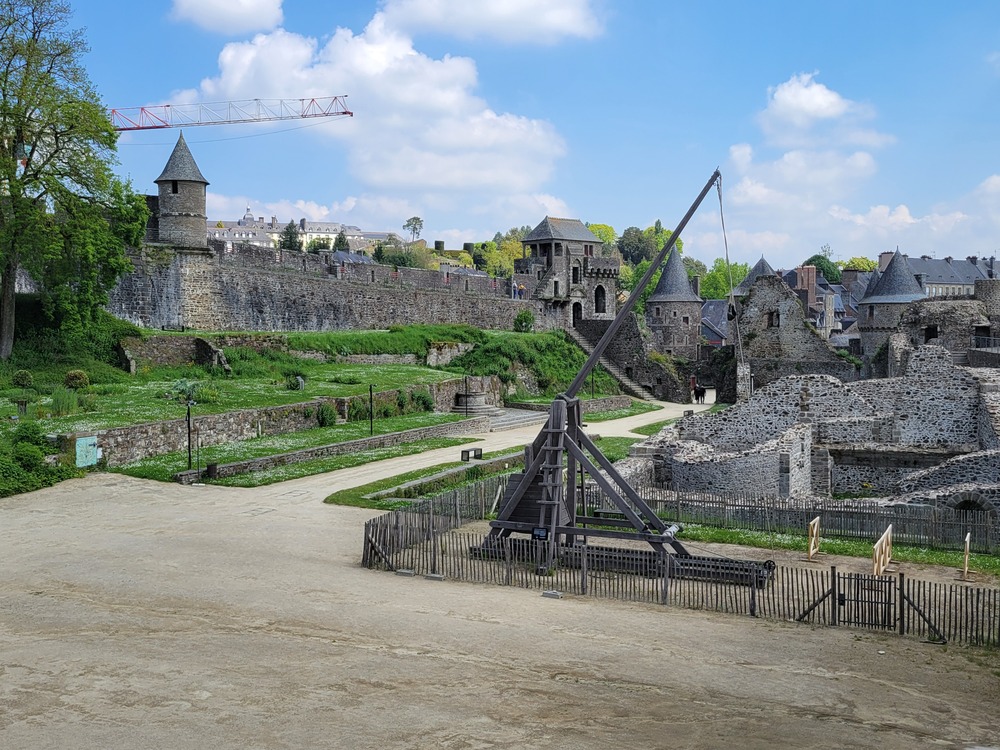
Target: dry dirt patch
pixel 134 614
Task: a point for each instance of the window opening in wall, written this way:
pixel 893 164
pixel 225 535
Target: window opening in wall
pixel 675 313
pixel 558 249
pixel 981 336
pixel 685 319
pixel 173 187
pixel 773 319
pixel 555 288
pixel 576 274
pixel 930 332
pixel 656 311
pixel 871 312
pixel 600 300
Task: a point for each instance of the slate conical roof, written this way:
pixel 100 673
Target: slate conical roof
pixel 872 283
pixel 897 284
pixel 762 268
pixel 181 165
pixel 674 285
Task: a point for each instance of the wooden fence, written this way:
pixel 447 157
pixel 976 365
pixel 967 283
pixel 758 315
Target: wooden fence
pixel 916 525
pixel 427 540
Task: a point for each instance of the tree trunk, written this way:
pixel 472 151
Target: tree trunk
pixel 8 285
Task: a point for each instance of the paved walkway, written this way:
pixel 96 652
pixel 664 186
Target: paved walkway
pixel 319 486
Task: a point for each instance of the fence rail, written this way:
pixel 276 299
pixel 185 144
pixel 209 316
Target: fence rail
pixel 427 540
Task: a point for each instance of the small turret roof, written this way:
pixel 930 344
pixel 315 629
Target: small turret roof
pixel 761 268
pixel 561 229
pixel 896 284
pixel 181 165
pixel 674 285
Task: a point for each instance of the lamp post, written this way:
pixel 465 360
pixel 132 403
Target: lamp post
pixel 466 396
pixel 190 403
pixel 371 410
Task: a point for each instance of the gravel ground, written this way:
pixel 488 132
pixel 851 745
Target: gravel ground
pixel 140 615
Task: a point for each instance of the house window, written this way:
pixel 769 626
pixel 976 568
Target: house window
pixel 555 288
pixel 656 311
pixel 871 312
pixel 686 319
pixel 558 249
pixel 675 313
pixel 576 274
pixel 173 187
pixel 773 319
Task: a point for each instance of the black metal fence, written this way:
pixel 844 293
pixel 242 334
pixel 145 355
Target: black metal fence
pixel 427 540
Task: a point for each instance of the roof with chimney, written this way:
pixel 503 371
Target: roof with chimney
pixel 896 284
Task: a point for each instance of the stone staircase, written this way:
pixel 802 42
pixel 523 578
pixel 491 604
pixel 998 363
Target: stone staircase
pixel 628 385
pixel 511 419
pixel 960 358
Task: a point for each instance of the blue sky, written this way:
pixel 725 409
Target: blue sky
pixel 861 125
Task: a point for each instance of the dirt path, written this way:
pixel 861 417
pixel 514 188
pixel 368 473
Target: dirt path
pixel 140 615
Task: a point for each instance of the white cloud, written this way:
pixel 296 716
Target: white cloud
pixel 803 113
pixel 525 21
pixel 229 17
pixel 990 186
pixel 419 130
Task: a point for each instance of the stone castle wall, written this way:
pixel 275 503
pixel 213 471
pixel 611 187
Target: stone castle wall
pixel 246 292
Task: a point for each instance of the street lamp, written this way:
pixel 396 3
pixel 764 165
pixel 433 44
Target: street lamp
pixel 371 410
pixel 190 403
pixel 467 396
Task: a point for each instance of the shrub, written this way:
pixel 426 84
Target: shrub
pixel 64 401
pixel 357 410
pixel 292 383
pixel 524 322
pixel 205 394
pixel 23 379
pixel 86 401
pixel 402 402
pixel 29 457
pixel 326 415
pixel 76 379
pixel 422 399
pixel 29 431
pixel 385 409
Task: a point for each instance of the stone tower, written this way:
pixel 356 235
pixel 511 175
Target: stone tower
pixel 887 296
pixel 673 311
pixel 571 279
pixel 182 216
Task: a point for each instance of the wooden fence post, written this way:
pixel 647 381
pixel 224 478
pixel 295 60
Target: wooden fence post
pixel 834 596
pixel 902 605
pixel 813 539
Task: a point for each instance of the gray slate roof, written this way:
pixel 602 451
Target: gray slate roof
pixel 674 285
pixel 561 229
pixel 715 312
pixel 181 165
pixel 896 284
pixel 762 268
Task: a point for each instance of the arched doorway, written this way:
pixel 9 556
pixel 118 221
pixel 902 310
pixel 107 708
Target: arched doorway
pixel 600 300
pixel 577 313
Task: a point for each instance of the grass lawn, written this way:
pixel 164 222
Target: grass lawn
pixel 163 467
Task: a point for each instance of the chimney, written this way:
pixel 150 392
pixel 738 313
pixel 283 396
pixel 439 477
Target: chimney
pixel 973 260
pixel 883 260
pixel 805 279
pixel 260 219
pixel 948 260
pixel 920 279
pixel 696 285
pixel 274 221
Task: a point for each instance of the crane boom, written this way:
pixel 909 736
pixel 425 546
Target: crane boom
pixel 225 113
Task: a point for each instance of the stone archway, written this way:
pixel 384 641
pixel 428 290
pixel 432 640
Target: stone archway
pixel 971 501
pixel 600 300
pixel 577 313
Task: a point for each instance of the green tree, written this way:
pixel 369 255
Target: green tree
pixel 64 217
pixel 341 242
pixel 716 283
pixel 659 236
pixel 635 246
pixel 290 237
pixel 414 225
pixel 825 266
pixel 605 233
pixel 857 263
pixel 694 267
pixel 318 243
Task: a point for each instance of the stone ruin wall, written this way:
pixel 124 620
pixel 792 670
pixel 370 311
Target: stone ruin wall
pixel 982 467
pixel 774 409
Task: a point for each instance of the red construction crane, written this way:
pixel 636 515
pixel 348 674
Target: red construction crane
pixel 227 113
